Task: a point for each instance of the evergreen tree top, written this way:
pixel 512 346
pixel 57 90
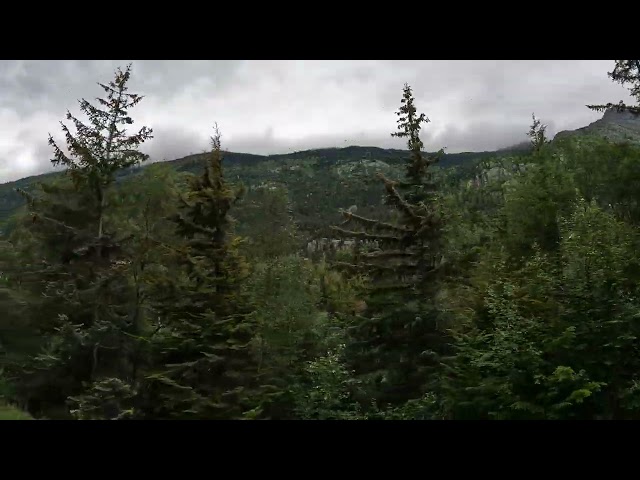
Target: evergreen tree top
pixel 409 126
pixel 409 123
pixel 537 134
pixel 101 147
pixel 208 201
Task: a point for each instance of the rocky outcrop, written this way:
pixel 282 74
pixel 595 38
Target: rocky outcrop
pixel 332 245
pixel 614 125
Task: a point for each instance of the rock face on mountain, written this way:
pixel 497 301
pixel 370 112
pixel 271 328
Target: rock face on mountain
pixel 615 126
pixel 622 118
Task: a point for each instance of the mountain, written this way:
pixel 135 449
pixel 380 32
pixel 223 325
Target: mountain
pixel 256 169
pixel 325 156
pixel 333 174
pixel 614 126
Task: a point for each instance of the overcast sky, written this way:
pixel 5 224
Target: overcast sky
pixel 287 105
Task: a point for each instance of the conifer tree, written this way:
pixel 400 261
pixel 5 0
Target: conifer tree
pixel 395 338
pixel 625 72
pixel 101 149
pixel 206 365
pixel 537 134
pixel 80 263
pixel 417 173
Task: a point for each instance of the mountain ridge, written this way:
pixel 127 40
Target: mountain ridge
pixel 613 124
pixel 616 126
pixel 250 168
pixel 328 154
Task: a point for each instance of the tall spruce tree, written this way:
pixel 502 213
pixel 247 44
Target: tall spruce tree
pixel 410 123
pixel 80 264
pixel 396 338
pixel 206 367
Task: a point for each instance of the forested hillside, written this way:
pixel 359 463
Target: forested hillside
pixel 326 165
pixel 356 283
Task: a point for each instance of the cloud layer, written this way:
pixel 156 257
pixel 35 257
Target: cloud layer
pixel 280 106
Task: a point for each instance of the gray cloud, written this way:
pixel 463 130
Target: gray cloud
pixel 480 136
pixel 169 144
pixel 281 106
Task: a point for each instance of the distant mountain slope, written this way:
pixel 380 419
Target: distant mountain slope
pixel 309 174
pixel 614 126
pixel 327 156
pixel 257 168
pixel 10 200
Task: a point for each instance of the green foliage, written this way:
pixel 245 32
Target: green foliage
pixel 99 151
pixel 606 172
pixel 154 293
pixel 203 366
pixel 325 394
pixel 266 223
pixel 533 202
pixel 409 126
pixel 108 399
pixel 554 339
pixel 75 266
pixel 302 311
pixel 424 408
pixel 286 293
pixel 398 333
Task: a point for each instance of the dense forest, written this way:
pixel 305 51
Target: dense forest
pixel 333 284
